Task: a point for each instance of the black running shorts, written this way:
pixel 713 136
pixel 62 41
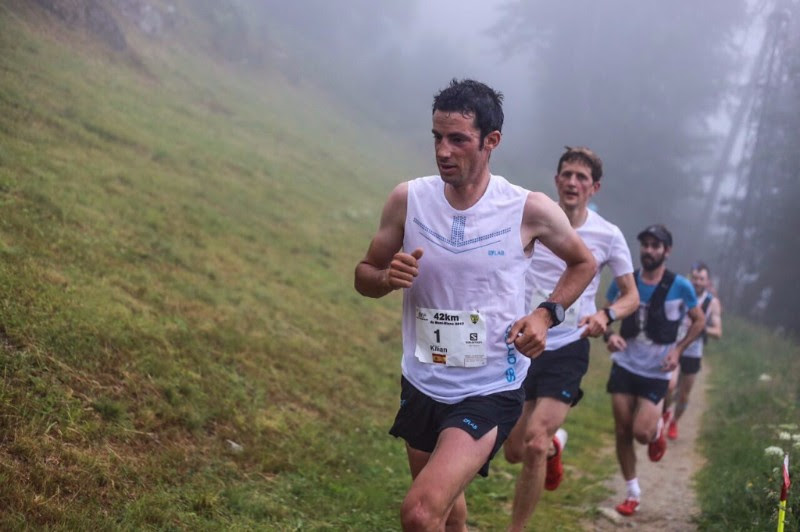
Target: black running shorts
pixel 690 365
pixel 558 373
pixel 623 381
pixel 420 419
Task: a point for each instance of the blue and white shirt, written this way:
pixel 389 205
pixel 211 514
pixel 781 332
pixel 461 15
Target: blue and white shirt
pixel 642 357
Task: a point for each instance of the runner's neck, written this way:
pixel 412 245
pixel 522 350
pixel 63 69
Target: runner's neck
pixel 466 195
pixel 577 216
pixel 654 276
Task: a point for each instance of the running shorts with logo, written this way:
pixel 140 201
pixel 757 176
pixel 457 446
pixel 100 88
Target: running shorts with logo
pixel 558 373
pixel 420 419
pixel 625 382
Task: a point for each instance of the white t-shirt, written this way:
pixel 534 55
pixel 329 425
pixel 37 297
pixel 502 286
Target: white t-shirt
pixel 609 248
pixel 469 291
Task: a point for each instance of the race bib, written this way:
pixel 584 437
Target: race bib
pixel 571 315
pixel 451 337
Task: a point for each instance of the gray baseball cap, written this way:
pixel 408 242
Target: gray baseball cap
pixel 659 232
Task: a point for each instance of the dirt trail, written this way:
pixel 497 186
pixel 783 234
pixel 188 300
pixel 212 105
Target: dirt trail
pixel 668 498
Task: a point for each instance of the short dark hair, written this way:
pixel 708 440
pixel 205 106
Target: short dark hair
pixel 473 97
pixel 699 265
pixel 581 154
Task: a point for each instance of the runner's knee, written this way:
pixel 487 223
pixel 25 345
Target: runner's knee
pixel 643 436
pixel 420 513
pixel 537 447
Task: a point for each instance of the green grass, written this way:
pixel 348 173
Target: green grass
pixel 177 242
pixel 740 486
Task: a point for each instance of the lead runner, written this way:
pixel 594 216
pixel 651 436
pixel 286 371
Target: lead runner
pixel 458 244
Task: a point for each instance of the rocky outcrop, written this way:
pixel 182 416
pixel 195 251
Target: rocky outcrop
pixel 100 18
pixel 91 15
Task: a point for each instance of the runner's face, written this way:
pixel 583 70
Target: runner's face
pixel 652 252
pixel 575 185
pixel 459 156
pixel 699 281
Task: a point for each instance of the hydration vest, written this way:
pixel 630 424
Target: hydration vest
pixel 704 306
pixel 657 327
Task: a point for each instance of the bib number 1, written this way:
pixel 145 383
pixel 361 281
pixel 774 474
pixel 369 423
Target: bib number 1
pixel 451 337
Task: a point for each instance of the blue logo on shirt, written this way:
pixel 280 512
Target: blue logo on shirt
pixel 511 358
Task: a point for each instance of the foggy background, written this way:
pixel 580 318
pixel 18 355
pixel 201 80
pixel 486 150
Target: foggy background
pixel 693 107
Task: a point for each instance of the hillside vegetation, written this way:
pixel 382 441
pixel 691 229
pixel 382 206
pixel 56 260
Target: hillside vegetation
pixel 753 419
pixel 177 242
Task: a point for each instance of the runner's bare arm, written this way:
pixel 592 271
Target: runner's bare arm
pixel 695 329
pixel 628 301
pixel 544 220
pixel 614 341
pixel 548 224
pixel 385 268
pixel 714 327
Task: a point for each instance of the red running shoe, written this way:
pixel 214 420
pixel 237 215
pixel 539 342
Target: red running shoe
pixel 628 507
pixel 657 448
pixel 672 432
pixel 555 469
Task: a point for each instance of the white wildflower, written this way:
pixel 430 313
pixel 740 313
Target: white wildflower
pixel 234 447
pixel 764 377
pixel 785 436
pixel 773 450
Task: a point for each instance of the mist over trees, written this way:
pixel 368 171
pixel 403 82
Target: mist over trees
pixel 637 82
pixel 653 87
pixel 759 211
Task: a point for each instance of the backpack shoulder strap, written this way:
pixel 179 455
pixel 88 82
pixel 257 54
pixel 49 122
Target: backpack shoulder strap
pixel 664 285
pixel 706 302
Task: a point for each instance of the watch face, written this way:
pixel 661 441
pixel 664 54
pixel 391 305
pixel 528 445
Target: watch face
pixel 556 311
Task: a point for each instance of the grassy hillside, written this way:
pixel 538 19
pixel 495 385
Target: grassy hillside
pixel 180 343
pixel 755 405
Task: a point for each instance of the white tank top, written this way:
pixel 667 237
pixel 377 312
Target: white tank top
pixel 470 289
pixel 695 349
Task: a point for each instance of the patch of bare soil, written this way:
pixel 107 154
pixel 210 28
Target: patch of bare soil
pixel 668 497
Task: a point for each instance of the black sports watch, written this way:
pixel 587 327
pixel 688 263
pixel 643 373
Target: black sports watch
pixel 556 312
pixel 610 314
